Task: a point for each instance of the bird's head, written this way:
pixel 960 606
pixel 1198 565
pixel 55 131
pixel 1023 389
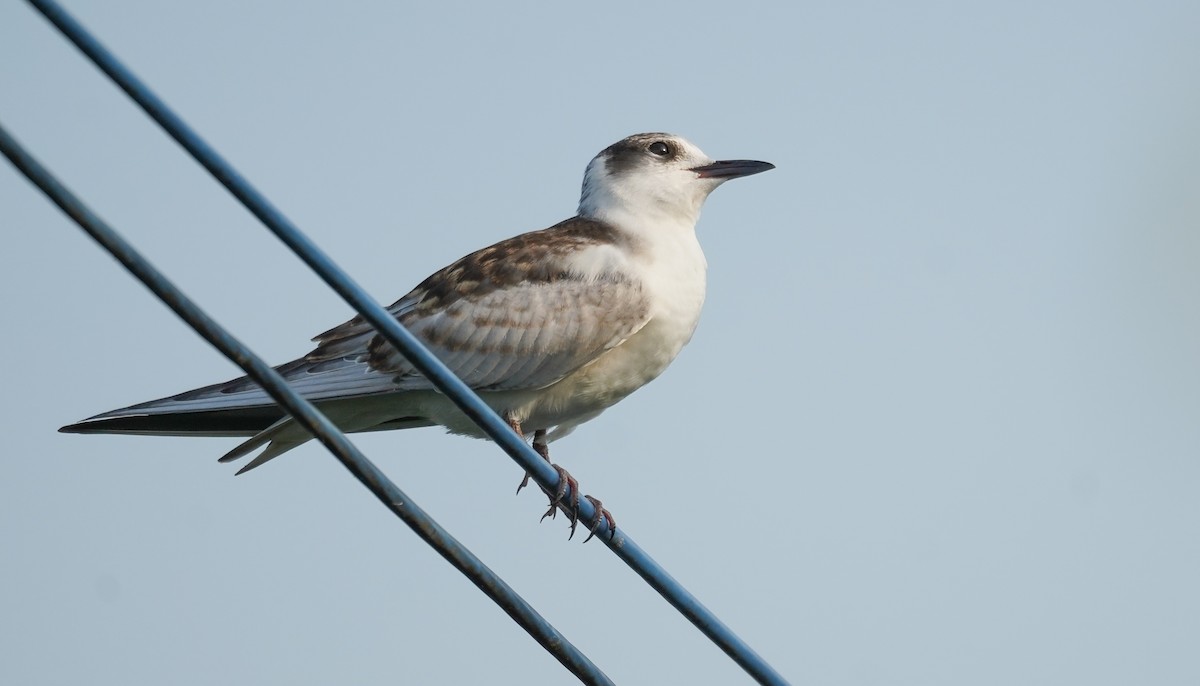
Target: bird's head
pixel 655 175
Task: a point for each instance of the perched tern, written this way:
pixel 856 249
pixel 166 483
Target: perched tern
pixel 550 327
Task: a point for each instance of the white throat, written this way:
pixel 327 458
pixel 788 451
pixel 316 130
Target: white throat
pixel 640 198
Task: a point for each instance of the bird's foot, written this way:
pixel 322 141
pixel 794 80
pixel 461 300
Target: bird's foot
pixel 601 513
pixel 567 485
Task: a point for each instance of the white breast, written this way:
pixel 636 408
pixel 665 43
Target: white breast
pixel 672 269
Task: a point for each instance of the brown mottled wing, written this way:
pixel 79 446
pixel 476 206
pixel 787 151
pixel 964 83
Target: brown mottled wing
pixel 518 315
pixel 512 316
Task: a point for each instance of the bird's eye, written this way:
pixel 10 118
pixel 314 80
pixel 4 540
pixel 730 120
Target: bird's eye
pixel 660 148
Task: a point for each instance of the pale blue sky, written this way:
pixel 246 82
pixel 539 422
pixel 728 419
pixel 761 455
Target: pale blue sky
pixel 939 424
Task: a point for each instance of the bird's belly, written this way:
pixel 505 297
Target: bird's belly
pixel 608 379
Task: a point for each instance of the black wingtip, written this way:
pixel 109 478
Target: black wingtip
pixel 237 422
pixel 78 428
pixel 91 425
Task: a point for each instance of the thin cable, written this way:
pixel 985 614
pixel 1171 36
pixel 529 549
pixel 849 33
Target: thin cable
pixel 412 349
pixel 307 415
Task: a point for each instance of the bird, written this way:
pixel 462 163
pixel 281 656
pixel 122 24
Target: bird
pixel 549 327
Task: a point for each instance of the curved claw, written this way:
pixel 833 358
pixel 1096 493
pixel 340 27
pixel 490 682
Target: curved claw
pixel 566 484
pixel 600 513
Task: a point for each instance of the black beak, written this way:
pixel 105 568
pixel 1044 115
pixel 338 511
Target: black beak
pixel 732 169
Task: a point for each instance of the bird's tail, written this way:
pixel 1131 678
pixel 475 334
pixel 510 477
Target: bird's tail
pixel 279 438
pixel 285 434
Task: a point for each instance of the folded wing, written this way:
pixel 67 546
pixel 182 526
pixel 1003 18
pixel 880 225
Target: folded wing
pixel 497 331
